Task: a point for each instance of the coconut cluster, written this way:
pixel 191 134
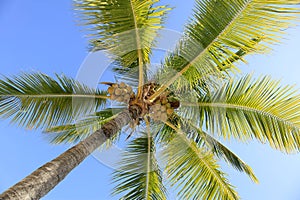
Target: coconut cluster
pixel 120 92
pixel 163 107
pixel 161 112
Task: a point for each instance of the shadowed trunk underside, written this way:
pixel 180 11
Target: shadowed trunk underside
pixel 45 178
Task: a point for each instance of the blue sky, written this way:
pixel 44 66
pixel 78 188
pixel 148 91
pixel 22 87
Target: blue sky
pixel 43 36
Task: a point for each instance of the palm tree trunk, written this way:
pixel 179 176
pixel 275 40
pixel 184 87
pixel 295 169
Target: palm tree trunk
pixel 45 178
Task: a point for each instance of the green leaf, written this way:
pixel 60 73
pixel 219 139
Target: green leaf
pixel 129 76
pixel 205 140
pixel 37 100
pixel 126 28
pixel 194 171
pixel 81 129
pixel 246 109
pixel 138 174
pixel 221 32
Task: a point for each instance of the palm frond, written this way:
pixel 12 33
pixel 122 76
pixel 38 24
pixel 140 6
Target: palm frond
pixel 75 132
pixel 127 28
pixel 129 76
pixel 222 32
pixel 139 174
pixel 205 140
pixel 37 100
pixel 194 171
pixel 247 109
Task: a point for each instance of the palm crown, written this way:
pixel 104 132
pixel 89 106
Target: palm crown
pixel 185 106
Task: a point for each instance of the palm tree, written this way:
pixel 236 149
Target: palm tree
pixel 186 106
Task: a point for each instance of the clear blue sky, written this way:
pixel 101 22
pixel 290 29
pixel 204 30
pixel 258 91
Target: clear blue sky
pixel 43 36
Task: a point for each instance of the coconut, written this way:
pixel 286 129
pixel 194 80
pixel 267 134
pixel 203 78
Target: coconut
pixel 170 111
pixel 168 105
pixel 174 103
pixel 113 97
pixel 155 107
pixel 118 91
pixel 110 90
pixel 127 96
pixel 158 113
pixel 120 99
pixel 125 91
pixel 164 101
pixel 122 85
pixel 164 117
pixel 128 88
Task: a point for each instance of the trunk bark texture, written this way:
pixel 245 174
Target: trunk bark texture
pixel 45 178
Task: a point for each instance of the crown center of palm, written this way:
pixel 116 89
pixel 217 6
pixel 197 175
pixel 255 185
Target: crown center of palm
pixel 158 110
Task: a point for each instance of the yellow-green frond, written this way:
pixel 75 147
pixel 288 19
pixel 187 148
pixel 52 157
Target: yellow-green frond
pixel 204 141
pixel 247 109
pixel 195 172
pixel 138 176
pixel 207 141
pixel 81 129
pixel 127 28
pixel 220 31
pixel 37 100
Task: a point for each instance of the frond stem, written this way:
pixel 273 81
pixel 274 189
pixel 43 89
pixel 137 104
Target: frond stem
pixel 236 106
pixel 148 158
pixel 140 55
pixel 87 125
pixel 173 79
pixel 57 96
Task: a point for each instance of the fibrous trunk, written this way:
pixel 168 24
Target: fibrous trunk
pixel 45 178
